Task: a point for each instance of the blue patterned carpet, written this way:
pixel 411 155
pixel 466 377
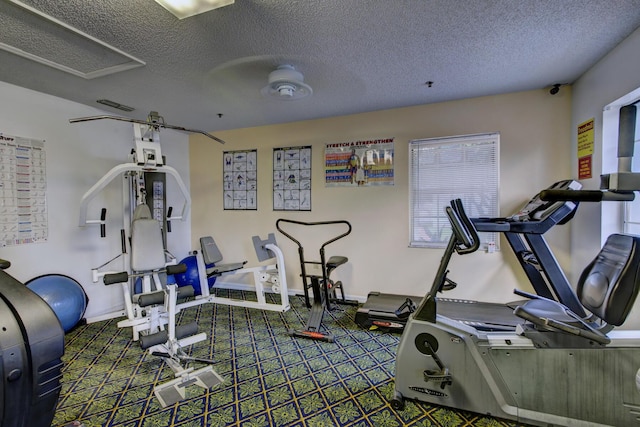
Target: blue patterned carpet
pixel 270 378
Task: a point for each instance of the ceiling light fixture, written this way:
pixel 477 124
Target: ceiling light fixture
pixel 286 83
pixel 186 8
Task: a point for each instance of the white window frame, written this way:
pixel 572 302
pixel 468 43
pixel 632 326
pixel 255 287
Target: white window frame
pixel 631 217
pixel 443 169
pixel 616 217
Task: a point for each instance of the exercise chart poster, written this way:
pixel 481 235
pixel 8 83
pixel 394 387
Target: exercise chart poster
pixel 292 179
pixel 240 180
pixel 23 185
pixel 359 163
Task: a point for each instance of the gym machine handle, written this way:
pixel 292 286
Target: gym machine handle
pixel 169 212
pixel 148 123
pixel 291 221
pixel 123 241
pixel 585 196
pixel 103 227
pixel 463 228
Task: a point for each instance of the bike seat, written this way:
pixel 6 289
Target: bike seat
pixel 335 261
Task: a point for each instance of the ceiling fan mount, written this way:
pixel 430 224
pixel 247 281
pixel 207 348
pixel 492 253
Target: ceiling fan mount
pixel 286 84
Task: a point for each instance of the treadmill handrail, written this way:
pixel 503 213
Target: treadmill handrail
pixel 586 196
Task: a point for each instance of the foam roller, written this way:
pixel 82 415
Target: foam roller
pixel 185 292
pixel 176 269
pixel 153 298
pixel 110 279
pixel 182 331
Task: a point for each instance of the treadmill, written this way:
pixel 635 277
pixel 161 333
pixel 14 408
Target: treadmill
pixel 524 231
pixel 386 311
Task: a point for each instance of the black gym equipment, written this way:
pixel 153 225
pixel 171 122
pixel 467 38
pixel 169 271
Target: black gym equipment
pixel 524 231
pixel 31 348
pixel 323 288
pixel 554 367
pixel 386 311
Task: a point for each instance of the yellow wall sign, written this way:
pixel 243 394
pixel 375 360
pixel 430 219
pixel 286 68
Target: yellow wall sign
pixel 585 149
pixel 585 138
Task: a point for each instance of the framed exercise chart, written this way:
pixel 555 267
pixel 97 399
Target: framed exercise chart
pixel 240 180
pixel 23 185
pixel 292 179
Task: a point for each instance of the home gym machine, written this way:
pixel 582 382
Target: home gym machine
pixel 31 348
pixel 524 231
pixel 143 183
pixel 323 288
pixel 151 310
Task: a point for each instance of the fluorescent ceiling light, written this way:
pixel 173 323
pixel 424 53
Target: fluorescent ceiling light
pixel 186 8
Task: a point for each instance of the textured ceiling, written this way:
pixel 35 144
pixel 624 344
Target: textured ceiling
pixel 357 55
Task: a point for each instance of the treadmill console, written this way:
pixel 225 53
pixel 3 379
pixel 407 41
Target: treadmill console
pixel 537 209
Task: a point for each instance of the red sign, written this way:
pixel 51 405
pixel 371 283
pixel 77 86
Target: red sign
pixel 584 167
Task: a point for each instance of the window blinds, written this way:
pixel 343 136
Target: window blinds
pixel 442 169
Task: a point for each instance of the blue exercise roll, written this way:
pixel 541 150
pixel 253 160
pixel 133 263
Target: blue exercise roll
pixel 64 295
pixel 191 276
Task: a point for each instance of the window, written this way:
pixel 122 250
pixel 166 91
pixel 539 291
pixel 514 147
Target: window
pixel 618 217
pixel 632 209
pixel 442 169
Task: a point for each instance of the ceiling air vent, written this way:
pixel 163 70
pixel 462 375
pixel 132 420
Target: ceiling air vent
pixel 34 35
pixel 114 104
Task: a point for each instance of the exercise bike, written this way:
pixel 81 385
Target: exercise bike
pixel 554 367
pixel 323 288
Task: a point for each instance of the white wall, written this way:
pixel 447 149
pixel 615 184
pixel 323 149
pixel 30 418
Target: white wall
pixel 78 155
pixel 614 76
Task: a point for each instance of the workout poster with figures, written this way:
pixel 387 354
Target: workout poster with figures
pixel 292 179
pixel 359 163
pixel 240 180
pixel 23 185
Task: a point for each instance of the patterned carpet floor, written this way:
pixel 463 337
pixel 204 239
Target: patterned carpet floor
pixel 270 378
